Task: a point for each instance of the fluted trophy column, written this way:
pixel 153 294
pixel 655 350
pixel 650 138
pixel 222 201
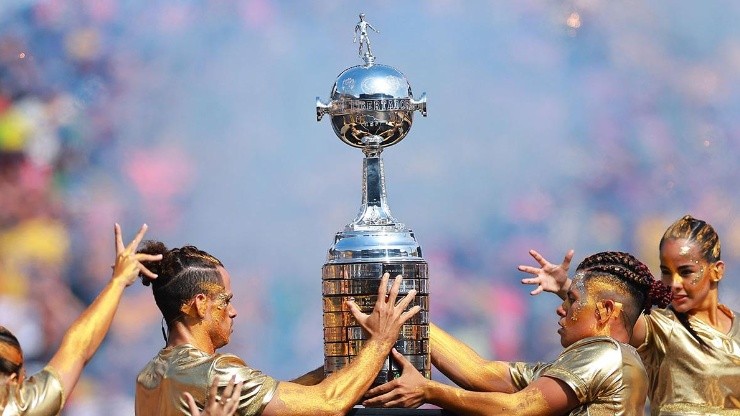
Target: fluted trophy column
pixel 371 108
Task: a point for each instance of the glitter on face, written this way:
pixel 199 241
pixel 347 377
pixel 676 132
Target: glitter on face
pixel 222 300
pixel 580 286
pixel 698 275
pixel 689 277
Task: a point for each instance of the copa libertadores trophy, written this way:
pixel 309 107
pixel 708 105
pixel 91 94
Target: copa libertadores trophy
pixel 371 108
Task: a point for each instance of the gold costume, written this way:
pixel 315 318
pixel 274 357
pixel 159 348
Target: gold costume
pixel 39 395
pixel 606 376
pixel 184 368
pixel 686 379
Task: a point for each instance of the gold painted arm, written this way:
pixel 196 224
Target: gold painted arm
pixel 465 367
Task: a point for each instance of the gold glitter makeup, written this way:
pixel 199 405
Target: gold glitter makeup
pixel 580 287
pixel 475 377
pixel 223 299
pixel 697 276
pixel 534 402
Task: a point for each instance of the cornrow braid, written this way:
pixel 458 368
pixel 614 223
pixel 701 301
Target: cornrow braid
pixel 625 267
pixel 660 294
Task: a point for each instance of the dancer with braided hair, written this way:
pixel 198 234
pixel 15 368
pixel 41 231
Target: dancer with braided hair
pixel 193 292
pixel 597 373
pixel 691 350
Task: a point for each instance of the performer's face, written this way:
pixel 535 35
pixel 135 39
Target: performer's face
pixel 222 312
pixel 577 314
pixel 689 275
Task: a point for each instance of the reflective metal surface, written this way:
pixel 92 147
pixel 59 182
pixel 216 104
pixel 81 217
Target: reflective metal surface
pixel 371 108
pixel 370 100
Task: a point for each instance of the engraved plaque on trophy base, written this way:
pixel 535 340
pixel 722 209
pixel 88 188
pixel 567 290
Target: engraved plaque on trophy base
pixel 343 337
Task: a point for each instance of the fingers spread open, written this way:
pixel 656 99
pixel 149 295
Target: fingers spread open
pixel 536 291
pixel 229 387
pixel 409 313
pixel 118 239
pixel 213 391
pixel 394 290
pixel 381 389
pixel 233 401
pixel 146 272
pixel 139 236
pixel 568 257
pixel 403 303
pixel 401 359
pixel 538 257
pixel 191 404
pixel 380 400
pixel 383 289
pixel 529 269
pixel 355 310
pixel 147 257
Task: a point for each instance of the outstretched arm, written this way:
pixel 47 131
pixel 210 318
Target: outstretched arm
pixel 544 396
pixel 465 367
pixel 548 277
pixel 336 394
pixel 86 333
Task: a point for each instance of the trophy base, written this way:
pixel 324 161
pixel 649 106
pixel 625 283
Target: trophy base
pixel 343 337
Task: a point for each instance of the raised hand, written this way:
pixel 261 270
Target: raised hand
pixel 86 333
pixel 406 391
pixel 226 406
pixel 386 318
pixel 548 277
pixel 127 265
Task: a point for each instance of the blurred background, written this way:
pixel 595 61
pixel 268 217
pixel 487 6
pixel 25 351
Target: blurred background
pixel 582 124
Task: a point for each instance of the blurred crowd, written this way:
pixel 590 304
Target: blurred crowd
pixel 64 173
pixel 56 195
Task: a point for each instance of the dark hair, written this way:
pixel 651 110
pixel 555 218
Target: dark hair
pixel 8 367
pixel 182 273
pixel 698 232
pixel 623 270
pixel 707 241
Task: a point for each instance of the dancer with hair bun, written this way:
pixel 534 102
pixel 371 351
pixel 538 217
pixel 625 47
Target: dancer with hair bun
pixel 188 375
pixel 691 350
pixel 597 373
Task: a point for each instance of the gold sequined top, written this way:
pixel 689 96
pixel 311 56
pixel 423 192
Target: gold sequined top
pixel 686 379
pixel 184 368
pixel 41 394
pixel 607 376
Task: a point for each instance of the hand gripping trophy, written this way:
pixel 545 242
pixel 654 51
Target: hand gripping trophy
pixel 372 108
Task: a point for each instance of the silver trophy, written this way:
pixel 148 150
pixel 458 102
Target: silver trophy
pixel 372 108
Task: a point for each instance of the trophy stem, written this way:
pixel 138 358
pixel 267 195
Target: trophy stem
pixel 374 210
